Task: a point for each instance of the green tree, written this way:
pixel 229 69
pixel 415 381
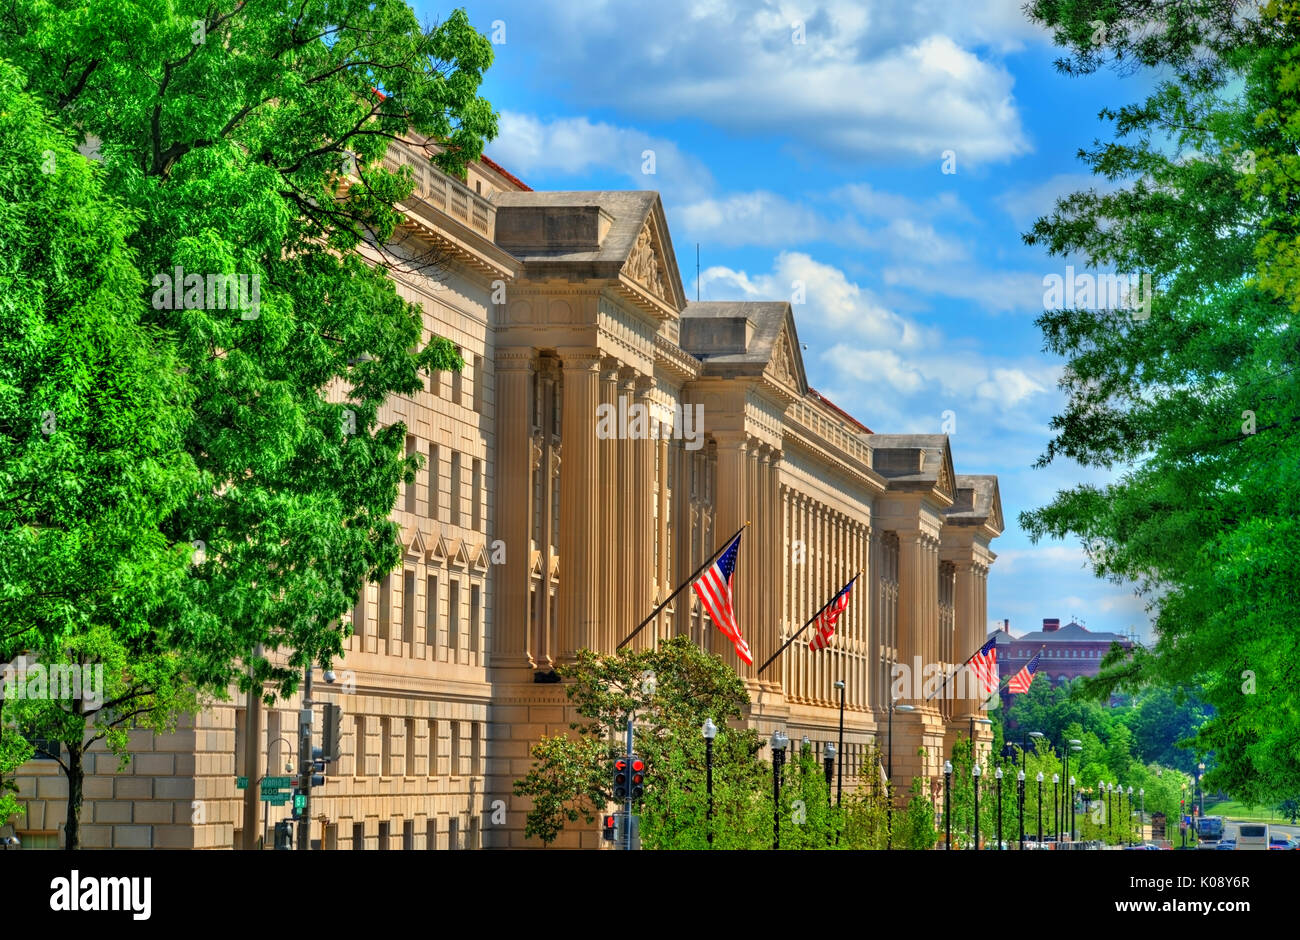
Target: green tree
pixel 248 141
pixel 91 422
pixel 1191 397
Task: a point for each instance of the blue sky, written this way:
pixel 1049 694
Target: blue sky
pixel 822 162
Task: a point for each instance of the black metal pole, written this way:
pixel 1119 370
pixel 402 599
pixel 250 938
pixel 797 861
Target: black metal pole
pixel 1020 788
pixel 889 784
pixel 305 762
pixel 977 813
pixel 947 813
pixel 1056 816
pixel 708 783
pixel 778 757
pixel 839 785
pixel 999 779
pixel 1040 810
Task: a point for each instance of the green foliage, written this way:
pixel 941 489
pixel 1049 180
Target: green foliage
pixel 1196 401
pixel 229 143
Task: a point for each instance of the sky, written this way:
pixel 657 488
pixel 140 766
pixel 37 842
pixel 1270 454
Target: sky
pixel 885 157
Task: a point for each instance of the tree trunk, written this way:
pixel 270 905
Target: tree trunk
pixel 76 779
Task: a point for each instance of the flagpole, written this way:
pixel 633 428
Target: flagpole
pixel 806 625
pixel 655 613
pixel 955 671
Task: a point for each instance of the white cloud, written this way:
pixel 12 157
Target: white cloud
pixel 575 146
pixel 863 78
pixel 1027 203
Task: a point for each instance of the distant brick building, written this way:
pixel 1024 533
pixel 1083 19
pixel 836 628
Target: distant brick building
pixel 1069 651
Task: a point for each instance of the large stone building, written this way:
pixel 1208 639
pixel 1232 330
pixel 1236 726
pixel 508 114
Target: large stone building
pixel 530 536
pixel 1068 652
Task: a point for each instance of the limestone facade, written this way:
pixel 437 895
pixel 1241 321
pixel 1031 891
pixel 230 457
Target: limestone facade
pixel 530 535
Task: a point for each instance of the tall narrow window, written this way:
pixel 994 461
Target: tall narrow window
pixel 434 469
pixel 408 835
pixel 453 616
pixel 432 760
pixel 476 494
pixel 474 620
pixel 383 837
pixel 359 621
pixel 386 608
pixel 455 748
pixel 455 488
pixel 431 616
pixel 475 748
pixel 385 747
pixel 453 833
pixel 458 383
pixel 359 745
pixel 410 487
pixel 358 836
pixel 478 383
pixel 410 747
pixel 431 833
pixel 408 609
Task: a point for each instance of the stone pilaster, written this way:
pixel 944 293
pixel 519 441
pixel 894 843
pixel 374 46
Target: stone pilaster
pixel 579 549
pixel 514 375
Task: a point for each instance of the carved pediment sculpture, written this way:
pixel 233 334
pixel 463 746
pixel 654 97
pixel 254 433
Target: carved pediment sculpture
pixel 783 360
pixel 643 264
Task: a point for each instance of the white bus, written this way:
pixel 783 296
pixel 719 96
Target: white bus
pixel 1252 836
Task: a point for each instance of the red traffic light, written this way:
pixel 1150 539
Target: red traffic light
pixel 620 765
pixel 638 765
pixel 609 822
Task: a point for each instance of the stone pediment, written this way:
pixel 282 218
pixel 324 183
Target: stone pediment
pixel 645 261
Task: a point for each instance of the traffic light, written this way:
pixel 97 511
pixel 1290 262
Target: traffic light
pixel 332 733
pixel 620 780
pixel 638 778
pixel 284 835
pixel 609 828
pixel 317 767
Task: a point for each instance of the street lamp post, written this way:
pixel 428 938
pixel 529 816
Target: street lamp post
pixel 1020 789
pixel 828 760
pixel 1142 812
pixel 1033 734
pixel 1129 817
pixel 710 731
pixel 1040 808
pixel 997 775
pixel 1201 773
pixel 839 785
pixel 779 742
pixel 947 807
pixel 975 775
pixel 1056 816
pixel 1072 795
pixel 889 772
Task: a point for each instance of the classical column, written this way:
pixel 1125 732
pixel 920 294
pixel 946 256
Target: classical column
pixel 579 547
pixel 963 602
pixel 641 558
pixel 911 619
pixel 625 501
pixel 514 376
pixel 663 577
pixel 730 507
pixel 612 630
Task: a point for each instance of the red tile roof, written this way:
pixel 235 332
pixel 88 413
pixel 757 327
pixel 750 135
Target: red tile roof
pixel 493 165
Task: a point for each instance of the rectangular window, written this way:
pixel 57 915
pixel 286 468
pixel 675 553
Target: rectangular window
pixel 431 834
pixel 431 616
pixel 408 835
pixel 386 608
pixel 453 833
pixel 473 618
pixel 359 621
pixel 408 609
pixel 410 747
pixel 478 383
pixel 453 616
pixel 455 748
pixel 455 488
pixel 359 745
pixel 358 836
pixel 410 487
pixel 383 837
pixel 458 383
pixel 435 467
pixel 476 495
pixel 475 748
pixel 274 742
pixel 385 747
pixel 431 761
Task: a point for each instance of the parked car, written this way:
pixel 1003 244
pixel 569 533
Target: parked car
pixel 1226 844
pixel 1282 841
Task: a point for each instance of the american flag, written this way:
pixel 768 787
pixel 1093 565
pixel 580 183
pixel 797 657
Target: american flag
pixel 1022 680
pixel 714 588
pixel 829 617
pixel 985 665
